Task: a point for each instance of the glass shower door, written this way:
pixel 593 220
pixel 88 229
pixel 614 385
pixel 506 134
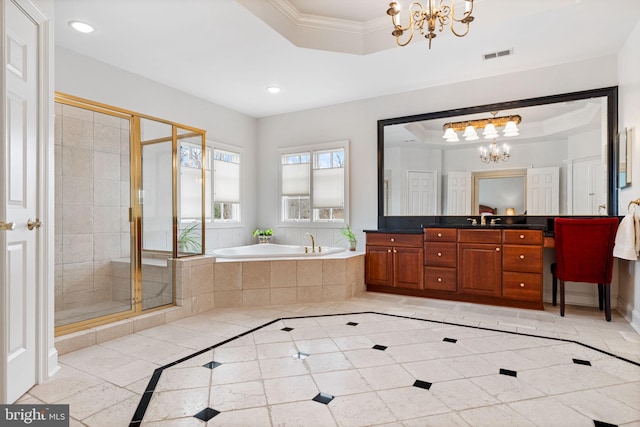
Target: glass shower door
pixel 156 203
pixel 92 198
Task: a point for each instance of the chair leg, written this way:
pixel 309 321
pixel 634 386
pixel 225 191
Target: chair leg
pixel 600 296
pixel 562 298
pixel 554 284
pixel 607 301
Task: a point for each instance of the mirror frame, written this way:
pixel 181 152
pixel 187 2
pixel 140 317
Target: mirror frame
pixel 611 94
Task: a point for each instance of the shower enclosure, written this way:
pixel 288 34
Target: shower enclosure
pixel 130 198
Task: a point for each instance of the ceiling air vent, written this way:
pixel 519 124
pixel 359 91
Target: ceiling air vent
pixel 498 54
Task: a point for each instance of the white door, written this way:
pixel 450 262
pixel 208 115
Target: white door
pixel 423 195
pixel 588 194
pixel 18 204
pixel 459 193
pixel 543 191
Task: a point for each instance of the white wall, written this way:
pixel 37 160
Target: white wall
pixel 356 121
pixel 84 77
pixel 629 117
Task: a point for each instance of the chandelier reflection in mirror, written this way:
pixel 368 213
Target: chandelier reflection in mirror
pixel 430 15
pixel 494 154
pixel 490 126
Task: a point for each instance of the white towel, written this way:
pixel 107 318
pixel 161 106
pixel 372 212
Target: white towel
pixel 627 238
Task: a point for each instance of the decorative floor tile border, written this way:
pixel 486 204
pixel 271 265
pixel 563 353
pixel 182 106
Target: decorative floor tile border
pixel 136 421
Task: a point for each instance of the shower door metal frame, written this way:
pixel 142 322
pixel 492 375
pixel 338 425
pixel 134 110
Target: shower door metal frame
pixel 135 209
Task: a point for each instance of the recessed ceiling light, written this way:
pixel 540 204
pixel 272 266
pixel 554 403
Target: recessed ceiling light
pixel 81 27
pixel 273 89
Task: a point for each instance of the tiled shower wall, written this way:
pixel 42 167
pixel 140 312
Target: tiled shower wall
pixel 92 200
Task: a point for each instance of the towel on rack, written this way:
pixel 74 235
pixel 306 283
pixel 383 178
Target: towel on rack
pixel 627 241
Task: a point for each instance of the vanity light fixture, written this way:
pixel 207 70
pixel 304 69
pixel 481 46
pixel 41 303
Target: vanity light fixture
pixel 490 126
pixel 273 89
pixel 494 154
pixel 470 133
pixel 81 27
pixel 432 16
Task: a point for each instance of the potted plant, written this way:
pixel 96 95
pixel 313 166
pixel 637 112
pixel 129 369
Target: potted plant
pixel 264 236
pixel 189 239
pixel 350 236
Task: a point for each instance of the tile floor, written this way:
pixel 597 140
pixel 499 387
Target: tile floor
pixel 323 365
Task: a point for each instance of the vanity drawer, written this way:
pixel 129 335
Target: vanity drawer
pixel 440 254
pixel 522 258
pixel 522 286
pixel 392 239
pixel 440 234
pixel 522 237
pixel 440 279
pixel 479 236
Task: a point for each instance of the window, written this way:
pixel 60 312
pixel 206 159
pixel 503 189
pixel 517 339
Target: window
pixel 226 186
pixel 190 182
pixel 313 184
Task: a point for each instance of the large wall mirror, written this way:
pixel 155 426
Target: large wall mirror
pixel 545 156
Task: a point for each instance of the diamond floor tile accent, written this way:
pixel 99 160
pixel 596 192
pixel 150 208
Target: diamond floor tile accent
pixel 422 384
pixel 352 324
pixel 206 414
pixel 287 329
pixel 603 424
pixel 379 347
pixel 452 340
pixel 323 398
pixel 508 372
pixel 581 362
pixel 212 365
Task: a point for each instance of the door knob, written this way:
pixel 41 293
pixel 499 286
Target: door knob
pixel 7 225
pixel 31 225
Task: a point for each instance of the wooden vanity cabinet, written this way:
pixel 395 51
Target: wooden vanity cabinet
pixel 522 264
pixel 440 259
pixel 480 262
pixel 483 265
pixel 394 260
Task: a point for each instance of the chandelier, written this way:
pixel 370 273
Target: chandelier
pixel 494 154
pixel 432 16
pixel 490 125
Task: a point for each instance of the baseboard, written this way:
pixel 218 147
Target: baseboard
pixel 587 297
pixel 630 313
pixel 52 363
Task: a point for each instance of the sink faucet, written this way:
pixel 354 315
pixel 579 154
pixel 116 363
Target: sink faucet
pixel 313 242
pixel 483 220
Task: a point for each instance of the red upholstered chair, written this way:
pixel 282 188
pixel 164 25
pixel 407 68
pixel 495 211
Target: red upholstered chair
pixel 584 253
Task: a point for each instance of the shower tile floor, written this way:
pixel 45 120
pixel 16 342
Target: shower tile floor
pixel 379 359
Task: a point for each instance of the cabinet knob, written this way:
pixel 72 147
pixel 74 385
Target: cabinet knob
pixel 522 285
pixel 389 250
pixel 393 240
pixel 439 253
pixel 522 236
pixel 497 249
pixel 395 251
pixel 439 234
pixel 439 279
pixel 521 256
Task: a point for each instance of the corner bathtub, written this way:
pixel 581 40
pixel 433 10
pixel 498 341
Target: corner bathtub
pixel 270 250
